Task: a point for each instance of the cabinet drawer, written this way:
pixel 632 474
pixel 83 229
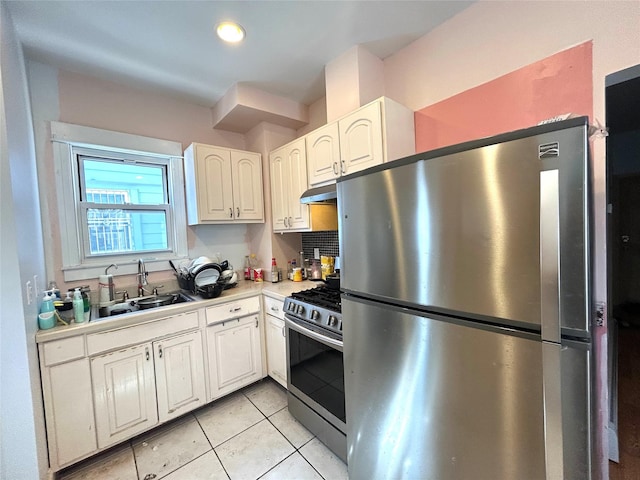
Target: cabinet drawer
pixel 236 309
pixel 274 307
pixel 64 350
pixel 122 337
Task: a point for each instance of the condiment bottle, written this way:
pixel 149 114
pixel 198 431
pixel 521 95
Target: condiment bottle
pixel 301 265
pixel 274 271
pixel 247 268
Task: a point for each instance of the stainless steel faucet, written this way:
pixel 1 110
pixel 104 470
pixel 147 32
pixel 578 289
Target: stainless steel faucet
pixel 142 277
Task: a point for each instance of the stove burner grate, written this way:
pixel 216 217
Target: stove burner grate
pixel 321 296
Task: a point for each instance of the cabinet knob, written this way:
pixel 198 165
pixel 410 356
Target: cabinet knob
pixel 230 212
pixel 146 353
pixel 238 212
pixel 285 222
pixel 343 167
pixel 159 351
pixel 335 168
pixel 290 222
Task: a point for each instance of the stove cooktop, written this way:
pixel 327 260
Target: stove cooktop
pixel 321 296
pixel 318 307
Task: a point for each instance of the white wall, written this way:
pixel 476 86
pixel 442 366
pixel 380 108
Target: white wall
pixel 23 453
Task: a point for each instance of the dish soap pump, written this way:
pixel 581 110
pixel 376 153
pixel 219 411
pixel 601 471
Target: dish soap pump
pixel 78 306
pixel 46 318
pixel 47 303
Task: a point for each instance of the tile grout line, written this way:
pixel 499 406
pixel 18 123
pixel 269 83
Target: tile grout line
pixel 295 449
pixel 212 447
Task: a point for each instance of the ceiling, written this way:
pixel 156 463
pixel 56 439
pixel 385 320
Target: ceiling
pixel 171 47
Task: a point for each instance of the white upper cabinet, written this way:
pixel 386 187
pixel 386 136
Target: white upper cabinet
pixel 248 199
pixel 361 139
pixel 378 132
pixel 223 185
pixel 323 154
pixel 288 167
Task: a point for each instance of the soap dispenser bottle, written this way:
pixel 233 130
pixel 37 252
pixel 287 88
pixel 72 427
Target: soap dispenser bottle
pixel 47 303
pixel 78 306
pixel 47 318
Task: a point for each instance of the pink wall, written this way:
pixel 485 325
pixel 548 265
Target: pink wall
pixel 561 83
pixel 97 103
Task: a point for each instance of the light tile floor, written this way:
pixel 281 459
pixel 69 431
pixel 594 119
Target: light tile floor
pixel 247 435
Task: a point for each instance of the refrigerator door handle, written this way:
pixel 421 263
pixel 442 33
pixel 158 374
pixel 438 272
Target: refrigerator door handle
pixel 552 397
pixel 550 255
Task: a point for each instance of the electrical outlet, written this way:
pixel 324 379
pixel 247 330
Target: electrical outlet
pixel 29 290
pixel 316 253
pixel 36 290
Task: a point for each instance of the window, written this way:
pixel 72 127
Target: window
pixel 126 199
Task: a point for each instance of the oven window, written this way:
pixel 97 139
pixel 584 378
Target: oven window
pixel 318 371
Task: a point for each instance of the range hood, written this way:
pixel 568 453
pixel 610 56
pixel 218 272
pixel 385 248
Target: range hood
pixel 324 194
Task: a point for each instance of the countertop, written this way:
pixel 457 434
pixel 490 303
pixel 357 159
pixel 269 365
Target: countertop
pixel 244 289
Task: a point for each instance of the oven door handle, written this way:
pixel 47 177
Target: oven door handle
pixel 310 333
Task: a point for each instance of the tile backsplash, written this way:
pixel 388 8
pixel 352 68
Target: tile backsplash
pixel 326 241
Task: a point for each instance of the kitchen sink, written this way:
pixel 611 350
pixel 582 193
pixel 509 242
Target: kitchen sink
pixel 143 303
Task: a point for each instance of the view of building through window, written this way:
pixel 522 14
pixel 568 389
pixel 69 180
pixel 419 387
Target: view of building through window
pixel 126 204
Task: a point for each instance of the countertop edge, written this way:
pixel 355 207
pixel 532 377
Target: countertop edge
pixel 244 290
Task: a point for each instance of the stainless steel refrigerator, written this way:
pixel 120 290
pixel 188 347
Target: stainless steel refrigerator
pixel 466 310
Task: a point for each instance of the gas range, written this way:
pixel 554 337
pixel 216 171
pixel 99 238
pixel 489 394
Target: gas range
pixel 318 307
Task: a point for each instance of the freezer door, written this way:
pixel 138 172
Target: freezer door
pixel 427 398
pixel 468 233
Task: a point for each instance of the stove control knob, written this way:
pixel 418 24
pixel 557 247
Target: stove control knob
pixel 300 310
pixel 315 314
pixel 333 321
pixel 292 307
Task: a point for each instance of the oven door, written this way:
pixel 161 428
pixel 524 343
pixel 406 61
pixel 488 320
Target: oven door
pixel 315 371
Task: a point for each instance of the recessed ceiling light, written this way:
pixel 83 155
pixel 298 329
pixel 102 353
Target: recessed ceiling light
pixel 230 32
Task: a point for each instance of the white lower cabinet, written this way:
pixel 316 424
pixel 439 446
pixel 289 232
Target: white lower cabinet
pixel 179 375
pixel 128 383
pixel 124 393
pixel 69 414
pixel 235 357
pixel 105 387
pixel 234 351
pixel 276 342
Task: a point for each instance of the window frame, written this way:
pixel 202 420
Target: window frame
pixel 69 141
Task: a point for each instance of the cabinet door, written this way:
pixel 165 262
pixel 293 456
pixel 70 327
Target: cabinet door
pixel 124 393
pixel 361 139
pixel 235 358
pixel 276 349
pixel 323 154
pixel 71 431
pixel 298 182
pixel 214 183
pixel 277 168
pixel 179 375
pixel 247 186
